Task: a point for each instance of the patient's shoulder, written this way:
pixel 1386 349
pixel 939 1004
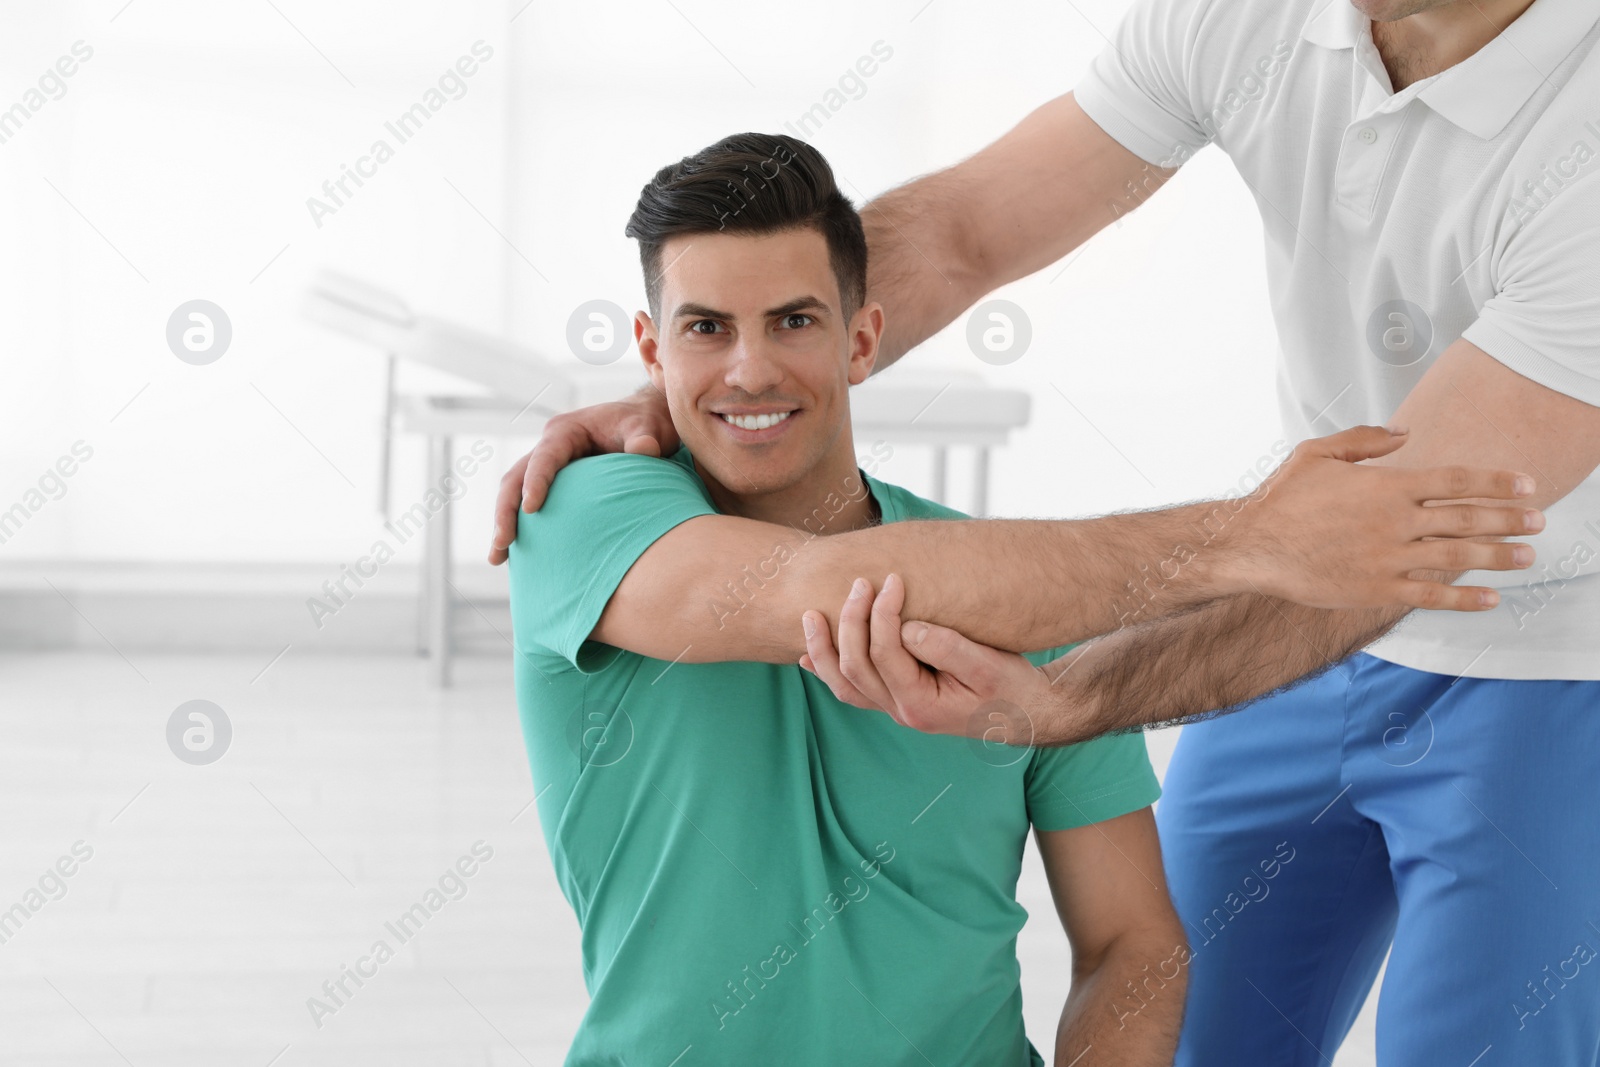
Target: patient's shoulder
pixel 602 496
pixel 622 472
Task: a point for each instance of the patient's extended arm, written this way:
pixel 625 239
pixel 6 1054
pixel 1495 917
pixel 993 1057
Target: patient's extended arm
pixel 1322 530
pixel 1468 408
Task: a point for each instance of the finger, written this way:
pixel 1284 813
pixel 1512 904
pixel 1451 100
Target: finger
pixel 1478 520
pixel 1358 443
pixel 562 443
pixel 906 681
pixel 1457 483
pixel 1436 596
pixel 950 652
pixel 855 644
pixel 825 662
pixel 505 511
pixel 1457 556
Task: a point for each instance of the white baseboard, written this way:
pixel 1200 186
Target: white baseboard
pixel 239 607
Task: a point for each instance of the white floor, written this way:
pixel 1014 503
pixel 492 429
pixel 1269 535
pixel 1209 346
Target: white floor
pixel 218 899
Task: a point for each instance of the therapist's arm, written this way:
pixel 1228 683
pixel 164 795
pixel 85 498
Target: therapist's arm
pixel 1469 409
pixel 939 243
pixel 934 246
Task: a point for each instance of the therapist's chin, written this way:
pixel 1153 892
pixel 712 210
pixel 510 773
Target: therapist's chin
pixel 1393 10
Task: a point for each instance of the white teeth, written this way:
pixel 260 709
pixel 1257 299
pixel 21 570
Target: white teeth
pixel 757 422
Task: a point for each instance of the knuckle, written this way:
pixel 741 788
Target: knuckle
pixel 1459 479
pixel 1465 518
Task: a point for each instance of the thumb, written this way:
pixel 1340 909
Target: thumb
pixel 943 649
pixel 642 444
pixel 1360 442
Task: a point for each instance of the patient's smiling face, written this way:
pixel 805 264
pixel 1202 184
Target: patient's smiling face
pixel 753 332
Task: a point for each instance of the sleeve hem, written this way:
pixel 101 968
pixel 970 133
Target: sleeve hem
pixel 1523 358
pixel 1150 135
pixel 1137 791
pixel 609 576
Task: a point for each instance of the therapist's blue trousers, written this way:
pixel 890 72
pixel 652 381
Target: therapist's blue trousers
pixel 1458 819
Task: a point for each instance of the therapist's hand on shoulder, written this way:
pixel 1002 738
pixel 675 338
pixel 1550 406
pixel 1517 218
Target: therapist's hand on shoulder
pixel 639 423
pixel 972 690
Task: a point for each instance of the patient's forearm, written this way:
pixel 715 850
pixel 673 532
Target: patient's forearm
pixel 1028 584
pixel 1128 1009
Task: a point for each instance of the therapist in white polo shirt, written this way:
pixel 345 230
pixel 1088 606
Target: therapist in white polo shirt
pixel 1426 174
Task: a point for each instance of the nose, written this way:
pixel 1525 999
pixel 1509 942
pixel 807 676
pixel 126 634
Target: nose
pixel 752 369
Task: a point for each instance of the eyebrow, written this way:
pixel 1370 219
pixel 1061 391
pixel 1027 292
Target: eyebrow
pixel 799 303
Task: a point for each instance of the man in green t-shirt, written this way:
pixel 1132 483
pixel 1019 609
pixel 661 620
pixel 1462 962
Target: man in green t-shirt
pixel 763 873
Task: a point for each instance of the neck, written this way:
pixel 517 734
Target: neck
pixel 1423 44
pixel 832 498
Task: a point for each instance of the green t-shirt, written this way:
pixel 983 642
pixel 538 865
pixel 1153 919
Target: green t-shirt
pixel 762 873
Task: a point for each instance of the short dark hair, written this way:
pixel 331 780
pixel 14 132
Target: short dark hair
pixel 754 183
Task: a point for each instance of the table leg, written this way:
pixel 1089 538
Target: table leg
pixel 437 548
pixel 386 455
pixel 425 577
pixel 980 482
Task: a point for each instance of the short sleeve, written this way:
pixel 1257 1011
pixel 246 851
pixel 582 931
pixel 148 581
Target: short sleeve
pixel 599 517
pixel 1139 87
pixel 1544 318
pixel 1077 785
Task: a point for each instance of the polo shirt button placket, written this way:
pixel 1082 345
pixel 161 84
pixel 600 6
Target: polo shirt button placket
pixel 1365 156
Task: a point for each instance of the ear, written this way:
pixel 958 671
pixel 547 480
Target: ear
pixel 644 334
pixel 866 331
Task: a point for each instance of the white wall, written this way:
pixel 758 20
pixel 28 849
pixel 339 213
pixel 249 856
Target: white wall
pixel 179 160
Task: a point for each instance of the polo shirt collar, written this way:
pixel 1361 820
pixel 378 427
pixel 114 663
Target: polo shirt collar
pixel 1336 25
pixel 1481 93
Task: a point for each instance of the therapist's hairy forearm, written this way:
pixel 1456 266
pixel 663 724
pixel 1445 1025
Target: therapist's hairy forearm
pixel 1213 659
pixel 939 243
pixel 918 268
pixel 1026 584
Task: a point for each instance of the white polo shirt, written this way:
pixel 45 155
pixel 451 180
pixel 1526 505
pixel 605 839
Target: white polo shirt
pixel 1467 205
